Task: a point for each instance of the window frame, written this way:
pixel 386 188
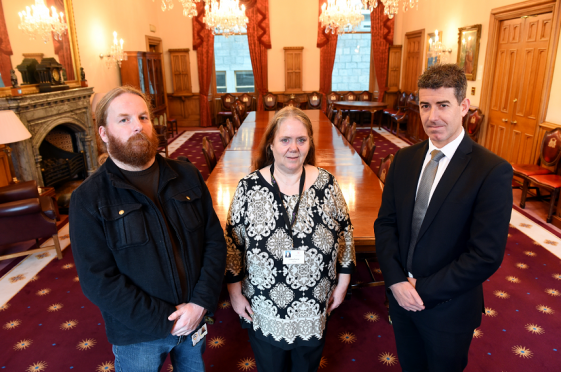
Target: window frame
pixel 222 87
pixel 244 86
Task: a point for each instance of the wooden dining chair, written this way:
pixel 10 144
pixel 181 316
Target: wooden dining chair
pixel 333 97
pixel 365 96
pixel 338 120
pixel 227 101
pixel 402 117
pixel 329 112
pixel 172 124
pixel 292 102
pixel 345 126
pixel 236 122
pixel 385 167
pixel 162 134
pixel 224 136
pixel 208 151
pixel 367 149
pixel 472 123
pixel 399 108
pixel 314 101
pixel 351 133
pixel 247 100
pixel 230 128
pixel 241 110
pixel 350 96
pixel 270 101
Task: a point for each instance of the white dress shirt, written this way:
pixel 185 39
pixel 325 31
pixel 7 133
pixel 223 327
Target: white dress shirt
pixel 449 150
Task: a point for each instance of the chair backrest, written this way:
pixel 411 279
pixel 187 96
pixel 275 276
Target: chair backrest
pixel 365 96
pixel 338 119
pixel 230 128
pixel 367 149
pixel 349 96
pixel 247 100
pixel 385 167
pixel 235 120
pixel 270 101
pixel 344 127
pixel 411 99
pixel 330 112
pixel 472 123
pixel 162 121
pixel 351 133
pixel 208 151
pixel 241 109
pixel 550 151
pixel 314 101
pixel 224 136
pixel 402 101
pixel 162 133
pixel 156 121
pixel 227 101
pixel 333 97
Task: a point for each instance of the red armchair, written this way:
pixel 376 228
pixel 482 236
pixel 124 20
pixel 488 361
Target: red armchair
pixel 26 216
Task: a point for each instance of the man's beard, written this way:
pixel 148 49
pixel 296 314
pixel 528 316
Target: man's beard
pixel 136 152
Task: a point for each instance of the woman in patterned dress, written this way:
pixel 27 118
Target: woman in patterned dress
pixel 288 205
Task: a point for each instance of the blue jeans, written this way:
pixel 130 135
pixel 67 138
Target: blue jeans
pixel 150 356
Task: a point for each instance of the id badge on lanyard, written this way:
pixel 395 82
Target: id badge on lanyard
pixel 290 257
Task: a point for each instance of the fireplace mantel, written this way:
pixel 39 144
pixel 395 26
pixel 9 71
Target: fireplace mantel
pixel 40 113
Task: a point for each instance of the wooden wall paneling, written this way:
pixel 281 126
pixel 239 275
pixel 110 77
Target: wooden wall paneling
pixel 181 70
pixel 293 68
pixel 185 109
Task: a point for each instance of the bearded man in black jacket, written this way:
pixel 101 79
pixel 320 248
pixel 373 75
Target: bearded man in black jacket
pixel 148 246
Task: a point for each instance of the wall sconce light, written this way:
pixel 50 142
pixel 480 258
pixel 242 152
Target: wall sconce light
pixel 116 55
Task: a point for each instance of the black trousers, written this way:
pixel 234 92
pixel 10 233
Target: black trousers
pixel 270 358
pixel 421 348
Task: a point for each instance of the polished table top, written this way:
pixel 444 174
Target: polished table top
pixel 360 105
pixel 360 186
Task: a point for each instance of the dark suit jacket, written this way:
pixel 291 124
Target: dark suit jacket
pixel 463 236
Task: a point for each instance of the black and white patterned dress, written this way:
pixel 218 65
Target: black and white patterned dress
pixel 289 301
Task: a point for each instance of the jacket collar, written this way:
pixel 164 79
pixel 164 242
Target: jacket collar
pixel 454 170
pixel 117 179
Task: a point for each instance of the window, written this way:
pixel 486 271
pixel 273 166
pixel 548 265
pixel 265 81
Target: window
pixel 351 71
pixel 234 72
pixel 221 82
pixel 244 81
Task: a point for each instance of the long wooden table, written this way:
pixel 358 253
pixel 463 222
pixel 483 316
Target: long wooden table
pixel 372 107
pixel 360 186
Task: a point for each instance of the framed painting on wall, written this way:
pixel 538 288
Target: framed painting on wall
pixel 468 49
pixel 432 55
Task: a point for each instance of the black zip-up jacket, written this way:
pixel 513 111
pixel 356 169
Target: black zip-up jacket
pixel 123 252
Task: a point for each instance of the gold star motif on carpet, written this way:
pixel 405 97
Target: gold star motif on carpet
pixel 388 359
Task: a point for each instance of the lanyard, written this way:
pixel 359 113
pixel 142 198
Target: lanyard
pixel 289 224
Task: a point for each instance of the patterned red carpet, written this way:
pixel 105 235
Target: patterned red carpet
pixel 193 149
pixel 51 326
pixel 383 147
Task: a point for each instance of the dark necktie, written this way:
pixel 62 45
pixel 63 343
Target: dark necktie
pixel 422 202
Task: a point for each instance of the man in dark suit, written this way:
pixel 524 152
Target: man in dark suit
pixel 441 230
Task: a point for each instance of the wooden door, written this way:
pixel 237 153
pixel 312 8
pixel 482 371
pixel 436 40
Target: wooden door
pixel 518 85
pixel 293 68
pixel 413 61
pixel 394 67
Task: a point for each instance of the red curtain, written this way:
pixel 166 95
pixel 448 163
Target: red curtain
pixel 62 47
pixel 5 50
pixel 259 40
pixel 382 38
pixel 327 42
pixel 203 43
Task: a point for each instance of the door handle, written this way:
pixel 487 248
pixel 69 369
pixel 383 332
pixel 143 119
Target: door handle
pixel 514 122
pixel 505 120
pixel 515 100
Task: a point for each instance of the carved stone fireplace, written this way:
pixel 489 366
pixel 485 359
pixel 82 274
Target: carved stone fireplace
pixel 41 113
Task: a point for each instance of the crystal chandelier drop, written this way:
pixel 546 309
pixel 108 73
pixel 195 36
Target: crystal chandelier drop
pixel 225 17
pixel 189 7
pixel 341 16
pixel 116 55
pixel 38 22
pixel 391 6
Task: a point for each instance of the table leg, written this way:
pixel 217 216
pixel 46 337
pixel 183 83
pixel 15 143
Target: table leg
pixel 380 121
pixel 372 120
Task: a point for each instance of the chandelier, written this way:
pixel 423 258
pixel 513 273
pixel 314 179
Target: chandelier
pixel 226 18
pixel 37 22
pixel 189 7
pixel 116 55
pixel 341 16
pixel 391 6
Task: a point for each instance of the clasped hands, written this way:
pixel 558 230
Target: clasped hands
pixel 406 295
pixel 187 317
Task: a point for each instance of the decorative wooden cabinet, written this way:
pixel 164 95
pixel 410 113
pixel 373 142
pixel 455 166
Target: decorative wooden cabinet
pixel 293 69
pixel 143 70
pixel 181 70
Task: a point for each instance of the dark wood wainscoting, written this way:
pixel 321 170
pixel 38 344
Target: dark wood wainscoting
pixel 184 108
